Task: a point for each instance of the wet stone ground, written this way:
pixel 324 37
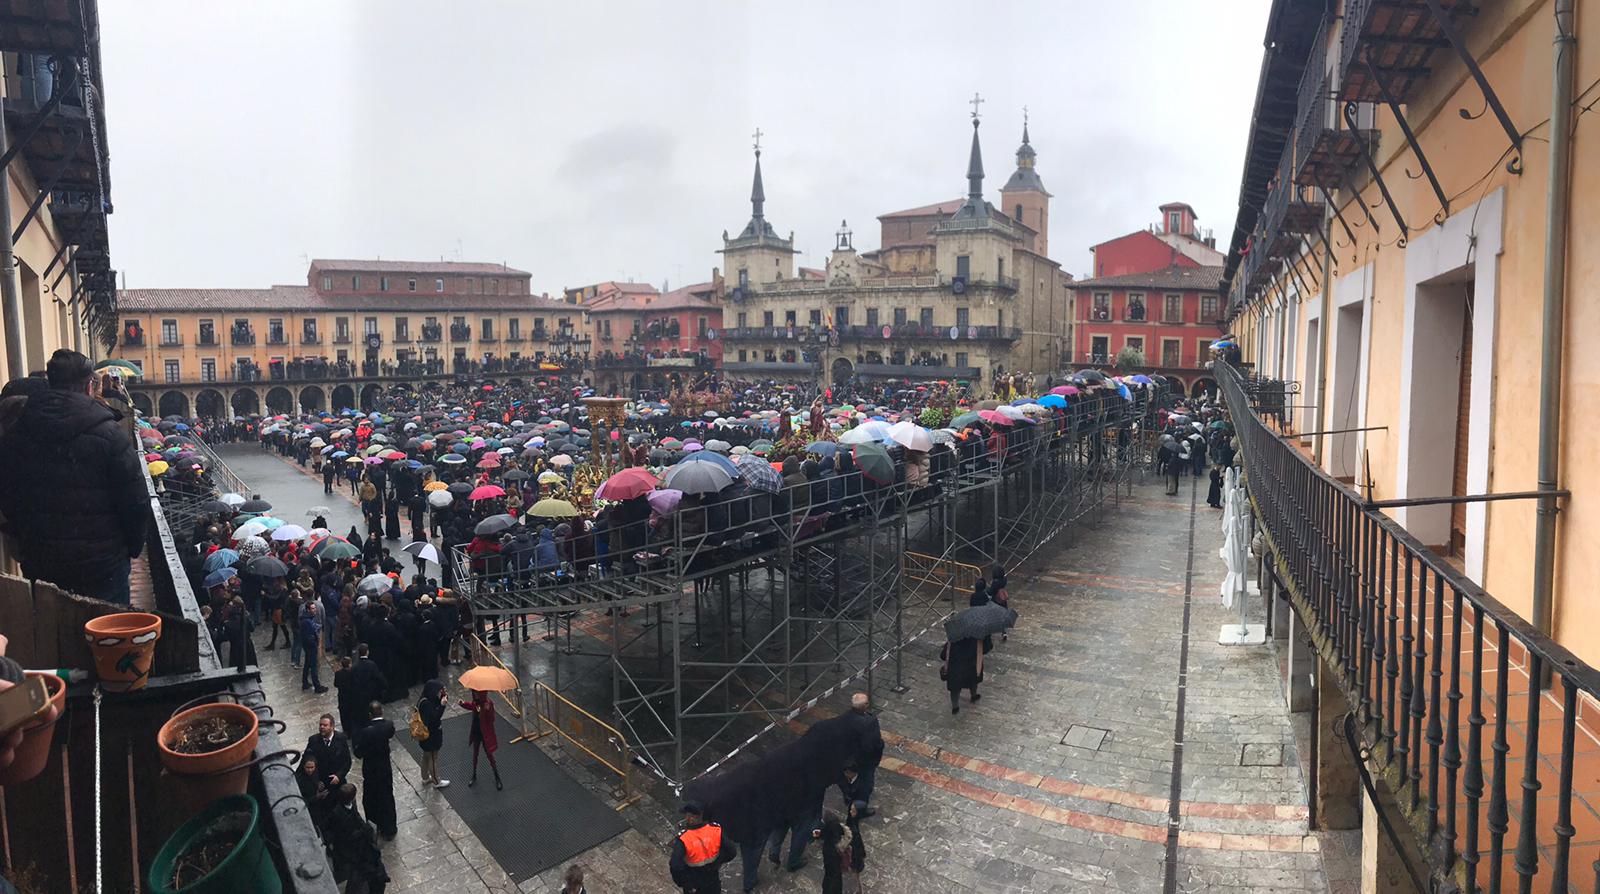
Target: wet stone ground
pixel 1061 779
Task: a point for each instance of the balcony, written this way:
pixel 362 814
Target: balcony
pixel 771 367
pixel 1395 41
pixel 1326 150
pixel 487 337
pixel 402 338
pixel 431 335
pixel 277 338
pixel 342 338
pixel 174 342
pixel 242 338
pixel 460 333
pixel 133 341
pixel 915 372
pixel 207 340
pixel 515 337
pixel 1288 214
pixel 310 338
pixel 931 332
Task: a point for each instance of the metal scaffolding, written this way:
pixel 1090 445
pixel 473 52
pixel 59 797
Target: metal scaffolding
pixel 754 609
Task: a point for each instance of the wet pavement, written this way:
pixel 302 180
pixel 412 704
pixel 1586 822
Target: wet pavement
pixel 1060 780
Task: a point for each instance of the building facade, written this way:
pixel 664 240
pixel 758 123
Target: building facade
pixel 647 340
pixel 366 319
pixel 958 290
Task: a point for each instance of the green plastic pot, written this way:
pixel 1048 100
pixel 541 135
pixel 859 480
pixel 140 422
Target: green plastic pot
pixel 247 868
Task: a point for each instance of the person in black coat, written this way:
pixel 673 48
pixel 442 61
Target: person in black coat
pixel 371 684
pixel 371 744
pixel 75 496
pixel 869 750
pixel 352 707
pixel 331 748
pixel 356 857
pixel 963 669
pixel 431 707
pixel 309 779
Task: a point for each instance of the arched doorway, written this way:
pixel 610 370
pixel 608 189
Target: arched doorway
pixel 245 402
pixel 208 404
pixel 174 403
pixel 311 399
pixel 344 398
pixel 369 397
pixel 842 371
pixel 279 400
pixel 141 402
pixel 1202 387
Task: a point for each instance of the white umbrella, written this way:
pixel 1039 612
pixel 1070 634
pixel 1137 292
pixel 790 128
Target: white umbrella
pixel 288 532
pixel 697 478
pixel 911 436
pixel 424 550
pixel 440 498
pixel 231 499
pixel 866 433
pixel 252 528
pixel 374 585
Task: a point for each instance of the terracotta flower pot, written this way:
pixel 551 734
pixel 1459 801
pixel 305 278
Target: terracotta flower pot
pixel 34 752
pixel 123 644
pixel 202 777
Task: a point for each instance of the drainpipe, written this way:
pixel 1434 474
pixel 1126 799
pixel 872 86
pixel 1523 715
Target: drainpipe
pixel 77 317
pixel 1324 334
pixel 1555 284
pixel 10 287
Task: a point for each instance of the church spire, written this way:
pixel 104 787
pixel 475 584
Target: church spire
pixel 1025 153
pixel 758 196
pixel 975 163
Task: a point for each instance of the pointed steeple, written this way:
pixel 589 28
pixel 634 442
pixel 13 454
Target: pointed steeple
pixel 1025 153
pixel 758 196
pixel 975 167
pixel 1024 177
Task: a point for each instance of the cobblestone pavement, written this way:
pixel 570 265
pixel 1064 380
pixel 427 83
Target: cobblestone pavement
pixel 1060 780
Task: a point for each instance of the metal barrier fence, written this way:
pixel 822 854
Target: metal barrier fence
pixel 1432 665
pixel 553 713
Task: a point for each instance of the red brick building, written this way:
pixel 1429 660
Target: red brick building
pixel 644 339
pixel 1155 291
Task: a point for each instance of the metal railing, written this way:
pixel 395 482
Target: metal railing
pixel 554 713
pixel 1442 678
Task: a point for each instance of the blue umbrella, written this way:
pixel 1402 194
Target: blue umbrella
pixel 220 576
pixel 822 448
pixel 716 459
pixel 1053 400
pixel 220 559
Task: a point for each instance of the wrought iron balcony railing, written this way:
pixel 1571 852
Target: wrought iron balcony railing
pixel 1442 678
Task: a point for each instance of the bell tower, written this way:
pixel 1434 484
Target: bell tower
pixel 1024 198
pixel 758 255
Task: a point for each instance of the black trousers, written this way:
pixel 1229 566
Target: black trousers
pixel 377 795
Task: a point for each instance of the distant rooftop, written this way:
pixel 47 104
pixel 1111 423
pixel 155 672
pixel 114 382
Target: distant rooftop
pixel 465 268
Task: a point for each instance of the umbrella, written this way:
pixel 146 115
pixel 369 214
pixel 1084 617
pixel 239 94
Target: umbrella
pixel 214 507
pixel 460 488
pixel 315 511
pixel 453 459
pixel 716 459
pixel 911 436
pixel 255 505
pixel 874 462
pixel 553 508
pixel 489 462
pixel 252 528
pixel 233 500
pixel 662 502
pixel 822 448
pixel 718 445
pixel 561 459
pixel 486 492
pixel 253 546
pixel 288 532
pixel 423 550
pixel 222 558
pixel 158 468
pixel 966 419
pixel 374 585
pixel 267 566
pixel 1053 400
pixel 439 499
pixel 336 548
pixel 119 364
pixel 487 678
pixel 760 475
pixel 995 417
pixel 498 524
pixel 626 484
pixel 699 477
pixel 516 475
pixel 981 621
pixel 434 485
pixel 219 577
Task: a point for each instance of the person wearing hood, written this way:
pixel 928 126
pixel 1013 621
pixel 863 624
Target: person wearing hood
pixel 546 559
pixel 76 500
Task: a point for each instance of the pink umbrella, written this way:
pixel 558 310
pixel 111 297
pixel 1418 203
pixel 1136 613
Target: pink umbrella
pixel 486 492
pixel 662 502
pixel 1067 390
pixel 627 484
pixel 994 417
pixel 491 461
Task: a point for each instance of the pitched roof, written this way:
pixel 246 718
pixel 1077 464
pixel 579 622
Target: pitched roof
pixel 1199 279
pixel 943 209
pixel 426 267
pixel 306 298
pixel 694 296
pixel 614 297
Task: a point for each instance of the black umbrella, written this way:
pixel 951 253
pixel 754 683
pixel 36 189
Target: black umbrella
pixel 516 475
pixel 461 487
pixel 981 621
pixel 212 507
pixel 266 566
pixel 255 505
pixel 495 524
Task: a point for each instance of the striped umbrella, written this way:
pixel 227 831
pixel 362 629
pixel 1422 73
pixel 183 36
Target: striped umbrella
pixel 759 474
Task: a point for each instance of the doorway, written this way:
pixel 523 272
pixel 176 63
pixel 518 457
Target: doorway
pixel 1441 398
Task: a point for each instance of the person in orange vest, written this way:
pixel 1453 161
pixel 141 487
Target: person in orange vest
pixel 698 853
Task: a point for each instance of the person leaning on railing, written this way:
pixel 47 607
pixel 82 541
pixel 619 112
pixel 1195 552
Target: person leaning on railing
pixel 75 496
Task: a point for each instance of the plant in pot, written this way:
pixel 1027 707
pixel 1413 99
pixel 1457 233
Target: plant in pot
pixel 34 752
pixel 206 750
pixel 124 645
pixel 219 851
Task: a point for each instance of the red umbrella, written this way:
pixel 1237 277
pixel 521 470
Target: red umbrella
pixel 627 484
pixel 490 461
pixel 486 492
pixel 994 417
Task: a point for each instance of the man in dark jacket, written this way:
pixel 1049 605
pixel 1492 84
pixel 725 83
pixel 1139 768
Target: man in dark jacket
pixel 75 497
pixel 331 748
pixel 870 744
pixel 370 683
pixel 356 856
pixel 371 744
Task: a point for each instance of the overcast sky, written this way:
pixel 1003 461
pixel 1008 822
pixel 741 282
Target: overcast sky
pixel 611 140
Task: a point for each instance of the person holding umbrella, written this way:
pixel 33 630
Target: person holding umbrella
pixel 482 737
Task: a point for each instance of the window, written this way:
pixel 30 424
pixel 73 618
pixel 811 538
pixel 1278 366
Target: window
pixel 308 330
pixel 369 326
pixel 341 329
pixel 494 286
pixel 343 356
pixel 1171 350
pixel 1100 349
pixel 208 332
pixel 1135 308
pixel 402 329
pixel 472 284
pixel 438 285
pixel 637 325
pixel 1208 308
pixel 1204 355
pixel 1102 306
pixel 411 285
pixel 172 371
pixel 1000 270
pixel 355 283
pixel 741 319
pixel 703 324
pixel 487 327
pixel 383 283
pixel 963 320
pixel 169 332
pixel 1174 221
pixel 1172 309
pixel 1017 215
pixel 744 278
pixel 327 283
pixel 1134 343
pixel 608 327
pixel 789 318
pixel 899 316
pixel 275 332
pixel 208 370
pixel 766 318
pixel 741 355
pixel 872 318
pixel 513 328
pixel 925 317
pixel 963 266
pixel 961 359
pixel 815 317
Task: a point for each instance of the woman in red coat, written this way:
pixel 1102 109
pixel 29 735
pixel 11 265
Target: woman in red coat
pixel 483 735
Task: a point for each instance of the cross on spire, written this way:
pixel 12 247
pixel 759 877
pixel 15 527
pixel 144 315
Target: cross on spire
pixel 757 136
pixel 975 101
pixel 1024 116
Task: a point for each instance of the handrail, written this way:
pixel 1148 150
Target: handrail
pixel 547 702
pixel 1388 613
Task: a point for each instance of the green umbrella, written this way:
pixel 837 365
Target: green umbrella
pixel 338 550
pixel 119 364
pixel 964 420
pixel 874 462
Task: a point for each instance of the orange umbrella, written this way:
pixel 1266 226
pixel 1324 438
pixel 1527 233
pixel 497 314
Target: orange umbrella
pixel 488 678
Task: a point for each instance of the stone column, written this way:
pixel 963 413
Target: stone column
pixel 1382 869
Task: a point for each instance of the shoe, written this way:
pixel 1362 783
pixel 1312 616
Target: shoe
pixel 955 709
pixel 441 783
pixel 471 782
pixel 975 697
pixel 866 812
pixel 304 687
pixel 773 858
pixel 271 648
pixel 498 785
pixel 321 690
pixel 796 867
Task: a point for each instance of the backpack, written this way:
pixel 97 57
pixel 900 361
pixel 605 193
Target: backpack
pixel 419 727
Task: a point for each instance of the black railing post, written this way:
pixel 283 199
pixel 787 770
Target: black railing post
pixel 1527 863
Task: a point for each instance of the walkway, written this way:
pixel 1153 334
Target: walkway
pixel 1061 779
